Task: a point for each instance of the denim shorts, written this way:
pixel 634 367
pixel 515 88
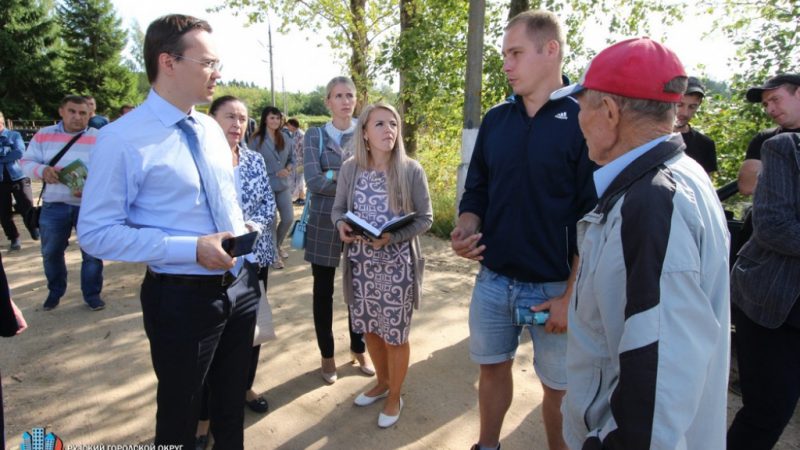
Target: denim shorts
pixel 493 338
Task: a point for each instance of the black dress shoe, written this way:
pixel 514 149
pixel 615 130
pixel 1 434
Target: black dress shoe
pixel 201 442
pixel 258 404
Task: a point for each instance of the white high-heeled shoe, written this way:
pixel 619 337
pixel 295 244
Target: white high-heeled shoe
pixel 363 366
pixel 329 377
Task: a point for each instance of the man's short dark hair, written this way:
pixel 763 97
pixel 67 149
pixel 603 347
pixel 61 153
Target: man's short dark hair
pixel 72 98
pixel 542 27
pixel 293 122
pixel 165 35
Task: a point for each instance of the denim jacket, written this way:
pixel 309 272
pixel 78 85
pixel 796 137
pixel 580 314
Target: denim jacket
pixel 11 148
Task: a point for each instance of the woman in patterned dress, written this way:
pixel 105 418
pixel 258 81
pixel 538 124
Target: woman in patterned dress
pixel 258 207
pixel 382 277
pixel 324 149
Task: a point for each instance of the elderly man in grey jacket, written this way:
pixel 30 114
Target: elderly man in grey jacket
pixel 647 354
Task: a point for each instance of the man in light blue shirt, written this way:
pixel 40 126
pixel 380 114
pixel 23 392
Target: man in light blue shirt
pixel 161 191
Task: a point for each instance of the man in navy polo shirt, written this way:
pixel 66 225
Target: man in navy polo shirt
pixel 529 181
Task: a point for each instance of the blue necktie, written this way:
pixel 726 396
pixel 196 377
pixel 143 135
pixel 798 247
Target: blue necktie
pixel 216 189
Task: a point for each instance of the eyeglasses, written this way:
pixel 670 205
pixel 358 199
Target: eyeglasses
pixel 213 64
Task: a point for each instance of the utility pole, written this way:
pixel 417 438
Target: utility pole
pixel 271 63
pixel 472 93
pixel 283 89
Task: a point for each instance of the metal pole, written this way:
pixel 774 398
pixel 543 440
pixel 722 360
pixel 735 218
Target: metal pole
pixel 271 62
pixel 283 88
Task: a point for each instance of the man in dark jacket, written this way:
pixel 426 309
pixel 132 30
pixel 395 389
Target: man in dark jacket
pixel 765 290
pixel 528 183
pixel 13 183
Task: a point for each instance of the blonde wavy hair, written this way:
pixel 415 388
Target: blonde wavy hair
pixel 397 184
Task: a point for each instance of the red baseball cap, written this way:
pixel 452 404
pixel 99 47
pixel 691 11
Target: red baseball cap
pixel 636 68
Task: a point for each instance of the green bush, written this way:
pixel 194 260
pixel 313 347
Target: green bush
pixel 307 121
pixel 439 156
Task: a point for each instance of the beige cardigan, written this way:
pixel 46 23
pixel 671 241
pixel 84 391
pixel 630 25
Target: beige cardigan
pixel 421 200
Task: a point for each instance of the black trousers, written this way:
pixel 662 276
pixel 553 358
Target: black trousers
pixel 251 377
pixel 2 423
pixel 263 275
pixel 769 373
pixel 21 190
pixel 323 313
pixel 200 333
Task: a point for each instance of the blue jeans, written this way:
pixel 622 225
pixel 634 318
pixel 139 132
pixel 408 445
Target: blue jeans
pixel 55 225
pixel 493 337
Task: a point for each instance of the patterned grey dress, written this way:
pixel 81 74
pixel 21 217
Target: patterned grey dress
pixel 383 280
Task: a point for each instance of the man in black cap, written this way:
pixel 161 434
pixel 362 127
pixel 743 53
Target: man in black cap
pixel 780 97
pixel 699 147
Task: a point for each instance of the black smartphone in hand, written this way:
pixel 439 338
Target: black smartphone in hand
pixel 240 245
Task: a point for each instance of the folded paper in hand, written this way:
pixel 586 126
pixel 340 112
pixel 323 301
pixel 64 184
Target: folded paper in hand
pixel 73 175
pixel 362 227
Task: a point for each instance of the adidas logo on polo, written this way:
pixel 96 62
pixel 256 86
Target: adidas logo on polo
pixel 562 115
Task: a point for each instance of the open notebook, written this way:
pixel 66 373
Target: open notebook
pixel 362 227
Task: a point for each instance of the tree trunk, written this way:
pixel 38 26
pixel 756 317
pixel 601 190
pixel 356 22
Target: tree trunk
pixel 409 123
pixel 517 6
pixel 358 58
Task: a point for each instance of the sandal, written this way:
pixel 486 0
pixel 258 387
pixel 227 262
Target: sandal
pixel 278 264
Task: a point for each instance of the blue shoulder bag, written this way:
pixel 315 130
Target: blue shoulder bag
pixel 299 227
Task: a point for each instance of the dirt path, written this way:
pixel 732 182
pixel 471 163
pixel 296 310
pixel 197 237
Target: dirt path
pixel 87 375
